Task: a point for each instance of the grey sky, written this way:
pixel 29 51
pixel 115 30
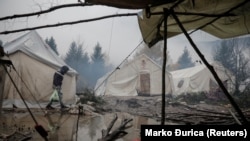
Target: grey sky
pixel 118 36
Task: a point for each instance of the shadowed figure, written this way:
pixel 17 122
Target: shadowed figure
pixel 57 84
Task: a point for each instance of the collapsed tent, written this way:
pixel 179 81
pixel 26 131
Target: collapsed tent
pixel 140 76
pixel 221 18
pixel 199 79
pixel 34 64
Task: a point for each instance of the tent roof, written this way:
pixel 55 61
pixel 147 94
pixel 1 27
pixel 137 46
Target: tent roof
pixel 34 46
pixel 191 71
pixel 187 72
pixel 221 18
pixel 146 57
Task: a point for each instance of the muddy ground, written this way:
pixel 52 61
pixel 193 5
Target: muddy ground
pixel 17 123
pixel 176 111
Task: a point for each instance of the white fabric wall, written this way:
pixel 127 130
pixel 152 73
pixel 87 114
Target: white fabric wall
pixel 38 77
pixel 126 80
pixel 197 79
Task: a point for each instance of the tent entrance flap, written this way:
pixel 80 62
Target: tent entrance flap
pixel 134 78
pixel 144 84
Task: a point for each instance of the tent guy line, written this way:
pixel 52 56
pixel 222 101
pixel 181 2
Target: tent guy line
pixel 180 25
pixel 119 65
pixel 38 62
pixel 39 128
pixel 234 104
pixel 26 86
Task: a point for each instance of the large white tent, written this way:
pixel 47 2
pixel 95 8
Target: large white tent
pixel 199 79
pixel 140 76
pixel 34 64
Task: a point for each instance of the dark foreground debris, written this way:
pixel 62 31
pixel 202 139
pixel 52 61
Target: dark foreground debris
pixel 117 133
pixel 177 112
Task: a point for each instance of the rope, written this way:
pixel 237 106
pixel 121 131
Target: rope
pixel 111 35
pixel 20 94
pixel 118 66
pixel 126 58
pixel 27 87
pixel 38 127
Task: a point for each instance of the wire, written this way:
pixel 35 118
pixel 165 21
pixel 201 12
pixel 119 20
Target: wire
pixel 20 94
pixel 126 58
pixel 111 35
pixel 118 66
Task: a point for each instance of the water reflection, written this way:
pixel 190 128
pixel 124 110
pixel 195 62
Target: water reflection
pixel 54 124
pixel 90 128
pixel 65 127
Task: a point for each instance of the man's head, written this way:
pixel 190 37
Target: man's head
pixel 64 69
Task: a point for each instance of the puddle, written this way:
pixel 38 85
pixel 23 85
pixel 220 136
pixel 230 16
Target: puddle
pixel 63 127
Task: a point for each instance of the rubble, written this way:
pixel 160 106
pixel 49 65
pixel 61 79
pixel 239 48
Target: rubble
pixel 177 112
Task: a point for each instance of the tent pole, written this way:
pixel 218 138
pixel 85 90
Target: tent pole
pixel 166 13
pixel 2 79
pixel 234 104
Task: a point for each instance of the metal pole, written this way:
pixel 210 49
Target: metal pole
pixel 164 67
pixel 2 79
pixel 237 109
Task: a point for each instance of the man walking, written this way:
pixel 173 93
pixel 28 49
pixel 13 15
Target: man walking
pixel 57 84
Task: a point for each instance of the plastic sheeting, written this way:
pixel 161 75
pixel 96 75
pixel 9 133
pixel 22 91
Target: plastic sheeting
pixel 237 24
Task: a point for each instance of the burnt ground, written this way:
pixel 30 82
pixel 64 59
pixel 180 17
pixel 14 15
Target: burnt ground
pixel 176 111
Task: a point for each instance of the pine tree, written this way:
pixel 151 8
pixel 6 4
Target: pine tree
pixel 79 60
pixel 98 68
pixel 51 42
pixel 185 60
pixel 97 56
pixel 70 58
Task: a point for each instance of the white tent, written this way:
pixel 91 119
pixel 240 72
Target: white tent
pixel 140 76
pixel 34 66
pixel 199 79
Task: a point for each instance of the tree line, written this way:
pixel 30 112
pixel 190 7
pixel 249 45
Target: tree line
pixel 93 66
pixel 90 67
pixel 233 54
